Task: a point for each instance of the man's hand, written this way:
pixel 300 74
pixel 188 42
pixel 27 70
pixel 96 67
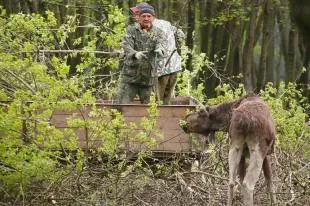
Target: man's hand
pixel 140 55
pixel 160 52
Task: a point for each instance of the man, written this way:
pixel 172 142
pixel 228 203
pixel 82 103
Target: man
pixel 142 42
pixel 169 65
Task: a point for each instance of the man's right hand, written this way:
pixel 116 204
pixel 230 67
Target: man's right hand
pixel 140 55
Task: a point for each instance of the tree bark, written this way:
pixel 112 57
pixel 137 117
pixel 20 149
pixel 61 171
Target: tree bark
pixel 211 6
pixel 248 50
pixel 190 30
pixel 266 71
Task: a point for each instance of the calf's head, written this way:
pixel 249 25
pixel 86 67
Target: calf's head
pixel 207 120
pixel 199 122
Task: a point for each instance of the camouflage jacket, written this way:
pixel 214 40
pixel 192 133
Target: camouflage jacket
pixel 174 37
pixel 141 71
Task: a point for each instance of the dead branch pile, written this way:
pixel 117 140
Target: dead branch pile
pixel 186 182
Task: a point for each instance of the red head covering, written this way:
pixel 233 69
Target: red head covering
pixel 135 10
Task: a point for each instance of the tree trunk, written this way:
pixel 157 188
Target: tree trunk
pixel 266 72
pixel 248 50
pixel 12 6
pixel 190 30
pixel 211 6
pixel 203 26
pixel 300 14
pixel 270 64
pixel 231 62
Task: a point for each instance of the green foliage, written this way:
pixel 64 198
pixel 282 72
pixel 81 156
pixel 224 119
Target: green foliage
pixel 233 11
pixel 3 95
pixel 27 163
pixel 185 84
pixel 36 86
pixel 225 93
pixel 105 129
pixel 26 32
pixel 23 35
pixel 116 23
pixel 288 108
pixel 150 133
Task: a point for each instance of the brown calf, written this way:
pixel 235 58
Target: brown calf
pixel 251 133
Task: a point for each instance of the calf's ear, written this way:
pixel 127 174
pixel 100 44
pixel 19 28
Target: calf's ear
pixel 212 115
pixel 203 112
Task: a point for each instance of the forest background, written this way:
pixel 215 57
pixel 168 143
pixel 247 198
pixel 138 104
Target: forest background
pixel 62 54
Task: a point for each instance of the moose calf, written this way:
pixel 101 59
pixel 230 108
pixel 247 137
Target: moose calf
pixel 251 135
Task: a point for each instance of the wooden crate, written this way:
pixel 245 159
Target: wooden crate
pixel 173 139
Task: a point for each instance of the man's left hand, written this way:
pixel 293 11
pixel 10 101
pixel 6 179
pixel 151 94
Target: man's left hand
pixel 160 52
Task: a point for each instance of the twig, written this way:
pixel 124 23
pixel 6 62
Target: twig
pixel 205 173
pixel 301 169
pixel 167 140
pixel 80 51
pixel 298 141
pixel 21 80
pixel 291 190
pixel 141 200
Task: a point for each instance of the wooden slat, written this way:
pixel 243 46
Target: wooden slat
pixel 90 144
pixel 164 111
pixel 138 146
pixel 168 123
pixel 173 138
pixel 80 133
pixel 177 147
pixel 60 120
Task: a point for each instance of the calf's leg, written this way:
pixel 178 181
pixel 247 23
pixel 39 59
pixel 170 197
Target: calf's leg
pixel 235 153
pixel 252 173
pixel 268 176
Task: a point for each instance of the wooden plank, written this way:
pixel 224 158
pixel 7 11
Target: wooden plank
pixel 90 144
pixel 168 135
pixel 173 138
pixel 138 146
pixel 80 133
pixel 168 123
pixel 83 110
pixel 164 111
pixel 177 147
pixel 60 120
pixel 134 111
pixel 161 124
pixel 174 111
pixel 130 111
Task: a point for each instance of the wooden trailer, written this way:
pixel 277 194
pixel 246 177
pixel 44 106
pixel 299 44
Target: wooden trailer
pixel 173 140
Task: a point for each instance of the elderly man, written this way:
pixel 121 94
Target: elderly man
pixel 142 42
pixel 169 65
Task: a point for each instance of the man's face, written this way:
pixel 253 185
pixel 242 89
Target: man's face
pixel 137 16
pixel 146 20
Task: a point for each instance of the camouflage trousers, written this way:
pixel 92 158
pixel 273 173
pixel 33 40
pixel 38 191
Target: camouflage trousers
pixel 165 87
pixel 128 91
